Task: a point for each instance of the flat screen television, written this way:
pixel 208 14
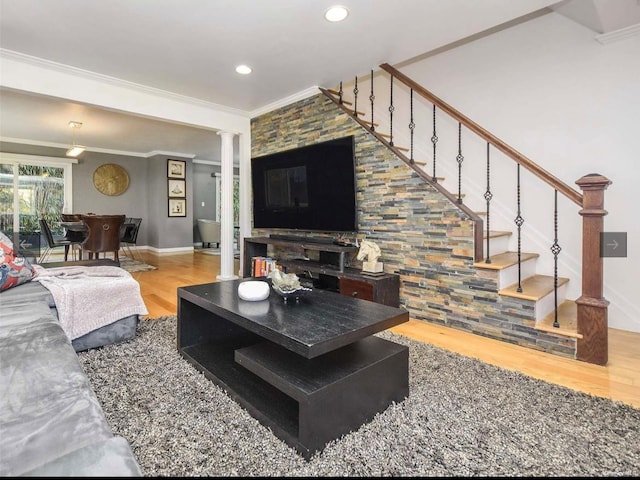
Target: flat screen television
pixel 306 188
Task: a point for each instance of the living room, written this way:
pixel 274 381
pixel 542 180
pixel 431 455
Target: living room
pixel 565 67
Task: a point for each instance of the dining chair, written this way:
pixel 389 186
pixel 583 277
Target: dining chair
pixel 103 234
pixel 73 235
pixel 129 235
pixel 54 241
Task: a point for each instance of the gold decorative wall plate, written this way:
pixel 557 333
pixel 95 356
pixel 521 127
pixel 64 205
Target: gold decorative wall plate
pixel 110 179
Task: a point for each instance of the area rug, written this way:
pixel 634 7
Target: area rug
pixel 132 266
pixel 462 418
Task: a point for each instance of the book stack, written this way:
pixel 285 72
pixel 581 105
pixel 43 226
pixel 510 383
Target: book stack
pixel 262 266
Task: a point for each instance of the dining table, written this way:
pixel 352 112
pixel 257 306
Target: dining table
pixel 79 226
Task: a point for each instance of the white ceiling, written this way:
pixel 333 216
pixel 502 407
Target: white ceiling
pixel 191 47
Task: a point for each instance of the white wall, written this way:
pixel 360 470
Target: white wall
pixel 571 104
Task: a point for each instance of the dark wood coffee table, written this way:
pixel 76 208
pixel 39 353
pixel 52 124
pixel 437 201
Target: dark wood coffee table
pixel 311 371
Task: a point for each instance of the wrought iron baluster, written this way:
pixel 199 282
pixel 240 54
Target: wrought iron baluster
pixel 371 98
pixel 519 221
pixel 340 92
pixel 434 140
pixel 391 110
pixel 488 196
pixel 355 98
pixel 412 125
pixel 555 249
pixel 460 159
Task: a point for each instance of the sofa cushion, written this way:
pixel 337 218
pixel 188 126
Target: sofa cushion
pixel 31 292
pixel 47 406
pixel 109 458
pixel 14 269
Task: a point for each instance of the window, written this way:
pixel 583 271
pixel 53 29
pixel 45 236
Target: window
pixel 32 187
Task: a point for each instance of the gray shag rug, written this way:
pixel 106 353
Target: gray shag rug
pixel 462 418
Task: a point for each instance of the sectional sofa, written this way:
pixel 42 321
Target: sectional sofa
pixel 51 423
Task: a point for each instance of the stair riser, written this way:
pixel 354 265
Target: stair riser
pixel 496 245
pixel 545 305
pixel 509 276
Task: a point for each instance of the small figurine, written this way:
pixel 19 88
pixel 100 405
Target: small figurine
pixel 370 253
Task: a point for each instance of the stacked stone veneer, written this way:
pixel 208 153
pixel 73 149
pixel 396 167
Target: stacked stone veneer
pixel 423 236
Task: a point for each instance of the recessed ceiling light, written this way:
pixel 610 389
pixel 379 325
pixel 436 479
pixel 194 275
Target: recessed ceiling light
pixel 243 69
pixel 336 13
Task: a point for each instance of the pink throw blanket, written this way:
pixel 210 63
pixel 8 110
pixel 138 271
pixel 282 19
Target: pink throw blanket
pixel 88 298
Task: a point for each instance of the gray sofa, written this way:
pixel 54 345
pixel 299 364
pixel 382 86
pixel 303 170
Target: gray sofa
pixel 51 423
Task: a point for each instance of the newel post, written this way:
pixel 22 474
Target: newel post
pixel 592 307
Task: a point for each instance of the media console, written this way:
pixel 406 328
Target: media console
pixel 328 271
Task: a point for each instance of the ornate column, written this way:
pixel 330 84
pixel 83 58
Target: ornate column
pixel 592 307
pixel 226 208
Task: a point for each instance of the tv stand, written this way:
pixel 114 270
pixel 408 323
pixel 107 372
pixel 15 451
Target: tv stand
pixel 331 269
pixel 296 238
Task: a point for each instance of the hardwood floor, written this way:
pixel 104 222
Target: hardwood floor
pixel 619 380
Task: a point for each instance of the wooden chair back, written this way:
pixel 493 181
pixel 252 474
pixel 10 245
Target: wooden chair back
pixel 103 234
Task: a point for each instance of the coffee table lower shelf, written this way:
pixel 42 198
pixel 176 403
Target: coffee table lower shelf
pixel 306 402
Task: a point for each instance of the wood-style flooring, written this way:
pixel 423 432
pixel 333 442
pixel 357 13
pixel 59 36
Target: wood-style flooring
pixel 619 380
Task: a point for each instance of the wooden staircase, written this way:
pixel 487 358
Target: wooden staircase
pixel 537 290
pixel 515 273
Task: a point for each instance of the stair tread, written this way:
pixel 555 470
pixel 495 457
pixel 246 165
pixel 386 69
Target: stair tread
pixel 533 288
pixel 497 233
pixel 567 318
pixel 504 260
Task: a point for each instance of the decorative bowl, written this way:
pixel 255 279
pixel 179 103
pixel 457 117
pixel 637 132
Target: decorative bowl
pixel 253 290
pixel 295 293
pixel 287 285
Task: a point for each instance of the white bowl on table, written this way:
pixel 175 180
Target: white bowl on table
pixel 253 290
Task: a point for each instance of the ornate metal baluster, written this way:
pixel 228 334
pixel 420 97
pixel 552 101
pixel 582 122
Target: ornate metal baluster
pixel 371 98
pixel 355 98
pixel 391 110
pixel 340 92
pixel 460 159
pixel 519 221
pixel 434 140
pixel 488 196
pixel 555 249
pixel 412 125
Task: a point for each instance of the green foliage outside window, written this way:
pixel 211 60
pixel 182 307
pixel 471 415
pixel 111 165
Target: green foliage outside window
pixel 40 195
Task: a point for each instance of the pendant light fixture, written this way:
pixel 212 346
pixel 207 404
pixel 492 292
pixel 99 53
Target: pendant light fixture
pixel 75 149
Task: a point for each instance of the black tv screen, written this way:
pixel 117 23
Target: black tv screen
pixel 306 188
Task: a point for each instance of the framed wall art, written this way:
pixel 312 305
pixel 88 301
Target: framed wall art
pixel 177 207
pixel 176 168
pixel 176 188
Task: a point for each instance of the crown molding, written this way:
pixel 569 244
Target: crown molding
pixel 309 92
pixel 108 151
pixel 69 70
pixel 153 153
pixel 617 35
pixel 36 159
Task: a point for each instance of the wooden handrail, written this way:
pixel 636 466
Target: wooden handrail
pixel 510 152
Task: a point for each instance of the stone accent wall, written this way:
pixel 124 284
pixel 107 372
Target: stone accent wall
pixel 423 236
